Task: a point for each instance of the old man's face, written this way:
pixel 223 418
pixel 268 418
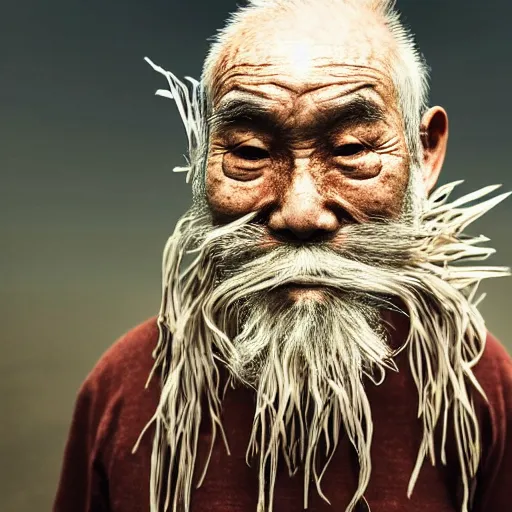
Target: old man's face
pixel 297 287
pixel 309 134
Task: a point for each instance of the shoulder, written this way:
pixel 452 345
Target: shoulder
pixel 113 403
pixel 494 370
pixel 130 353
pixel 111 409
pixel 494 374
pixel 126 364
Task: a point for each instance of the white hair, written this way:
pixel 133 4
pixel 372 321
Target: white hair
pixel 408 71
pixel 407 67
pixel 307 362
pixel 196 305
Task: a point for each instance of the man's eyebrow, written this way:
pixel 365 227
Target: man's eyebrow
pixel 243 112
pixel 251 113
pixel 358 110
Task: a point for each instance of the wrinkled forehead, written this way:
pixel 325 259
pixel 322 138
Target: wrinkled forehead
pixel 275 57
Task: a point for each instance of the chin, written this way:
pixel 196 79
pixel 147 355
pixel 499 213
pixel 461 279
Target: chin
pixel 300 293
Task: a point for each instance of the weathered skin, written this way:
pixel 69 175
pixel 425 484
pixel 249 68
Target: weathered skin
pixel 308 183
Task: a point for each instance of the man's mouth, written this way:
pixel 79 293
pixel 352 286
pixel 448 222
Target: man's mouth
pixel 305 286
pixel 300 290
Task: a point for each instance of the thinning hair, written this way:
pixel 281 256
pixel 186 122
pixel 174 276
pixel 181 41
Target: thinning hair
pixel 197 303
pixel 407 67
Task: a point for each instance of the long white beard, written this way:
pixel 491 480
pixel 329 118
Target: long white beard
pixel 307 359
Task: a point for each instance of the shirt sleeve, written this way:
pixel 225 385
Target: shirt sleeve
pixel 83 486
pixel 494 490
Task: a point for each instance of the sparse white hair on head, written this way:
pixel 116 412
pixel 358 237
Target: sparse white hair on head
pixel 408 69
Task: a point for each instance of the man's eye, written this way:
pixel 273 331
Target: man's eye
pixel 252 153
pixel 349 149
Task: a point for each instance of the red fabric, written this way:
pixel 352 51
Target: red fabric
pixel 100 473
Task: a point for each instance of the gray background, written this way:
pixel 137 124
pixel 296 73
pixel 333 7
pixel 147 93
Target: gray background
pixel 87 197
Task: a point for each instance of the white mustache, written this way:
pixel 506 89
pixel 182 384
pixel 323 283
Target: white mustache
pixel 446 338
pixel 306 266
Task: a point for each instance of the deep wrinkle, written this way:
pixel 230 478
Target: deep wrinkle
pixel 305 128
pixel 304 321
pixel 248 113
pixel 310 171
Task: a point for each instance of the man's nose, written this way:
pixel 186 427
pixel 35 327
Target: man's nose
pixel 302 212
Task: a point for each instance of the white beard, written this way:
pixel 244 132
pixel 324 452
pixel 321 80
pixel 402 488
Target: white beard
pixel 307 359
pixel 304 362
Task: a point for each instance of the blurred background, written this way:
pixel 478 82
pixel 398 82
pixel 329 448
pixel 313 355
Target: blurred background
pixel 88 199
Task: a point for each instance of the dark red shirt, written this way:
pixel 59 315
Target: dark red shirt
pixel 101 474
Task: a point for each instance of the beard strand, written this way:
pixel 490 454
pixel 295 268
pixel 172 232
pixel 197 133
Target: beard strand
pixel 306 365
pixel 307 360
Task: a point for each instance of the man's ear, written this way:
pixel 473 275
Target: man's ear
pixel 434 138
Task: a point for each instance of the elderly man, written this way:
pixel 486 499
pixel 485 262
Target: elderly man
pixel 321 348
